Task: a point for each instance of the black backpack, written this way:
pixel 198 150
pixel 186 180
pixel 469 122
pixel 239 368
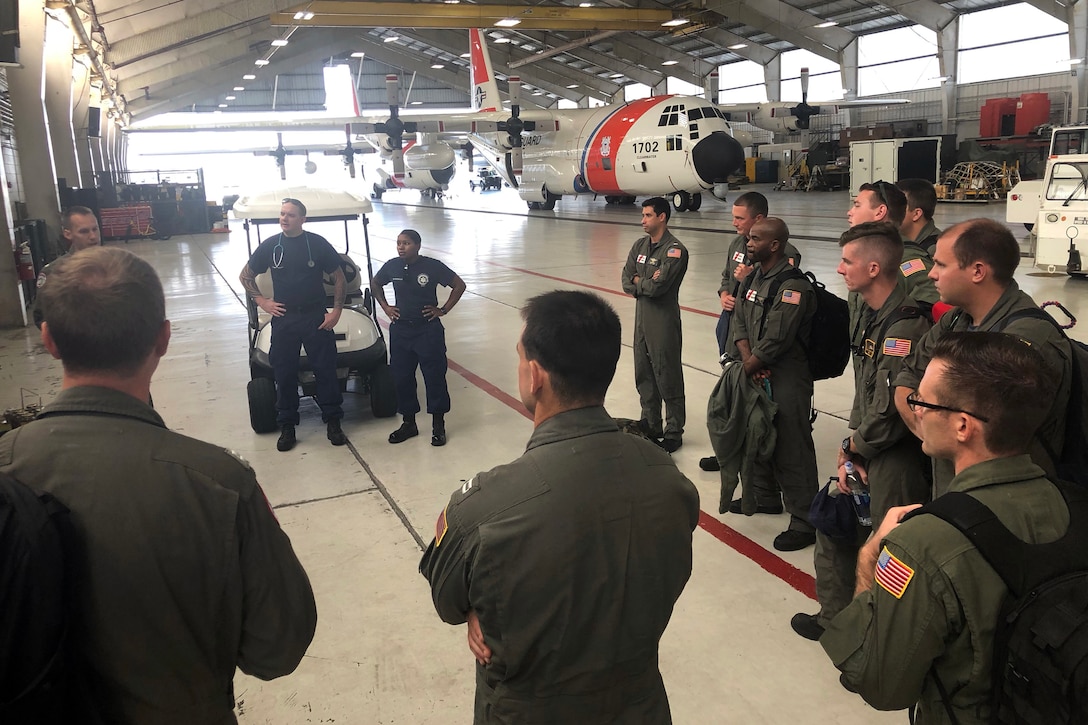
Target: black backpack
pixel 1040 665
pixel 828 348
pixel 35 664
pixel 1072 464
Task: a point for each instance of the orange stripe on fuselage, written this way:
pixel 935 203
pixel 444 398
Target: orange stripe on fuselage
pixel 605 143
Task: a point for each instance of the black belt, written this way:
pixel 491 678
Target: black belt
pixel 302 309
pixel 403 321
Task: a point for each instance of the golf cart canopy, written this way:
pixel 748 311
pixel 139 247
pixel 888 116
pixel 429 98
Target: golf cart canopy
pixel 322 204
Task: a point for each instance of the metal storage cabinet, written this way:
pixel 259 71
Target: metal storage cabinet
pixel 894 159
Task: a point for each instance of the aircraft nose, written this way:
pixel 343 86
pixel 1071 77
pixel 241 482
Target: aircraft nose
pixel 716 157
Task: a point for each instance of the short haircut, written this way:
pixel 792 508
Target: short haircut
pixel 776 227
pixel 660 206
pixel 67 214
pixel 920 195
pixel 411 234
pixel 104 308
pixel 987 241
pixel 881 243
pixel 754 202
pixel 999 377
pixel 886 193
pixel 298 205
pixel 575 336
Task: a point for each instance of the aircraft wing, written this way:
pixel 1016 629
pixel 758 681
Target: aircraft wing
pixel 823 108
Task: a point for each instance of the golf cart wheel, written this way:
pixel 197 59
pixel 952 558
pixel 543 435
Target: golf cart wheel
pixel 262 404
pixel 383 392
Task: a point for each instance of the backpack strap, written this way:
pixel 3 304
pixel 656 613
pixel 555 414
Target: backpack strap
pixel 1021 565
pixel 776 284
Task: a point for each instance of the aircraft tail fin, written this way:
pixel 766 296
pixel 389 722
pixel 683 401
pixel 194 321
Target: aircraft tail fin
pixel 485 91
pixel 340 97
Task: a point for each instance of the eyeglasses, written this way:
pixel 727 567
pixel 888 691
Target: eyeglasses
pixel 913 402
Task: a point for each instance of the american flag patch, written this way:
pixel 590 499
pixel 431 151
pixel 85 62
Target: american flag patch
pixel 893 574
pixel 675 253
pixel 791 297
pixel 440 528
pixel 896 346
pixel 914 265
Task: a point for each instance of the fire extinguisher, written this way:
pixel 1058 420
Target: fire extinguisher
pixel 24 262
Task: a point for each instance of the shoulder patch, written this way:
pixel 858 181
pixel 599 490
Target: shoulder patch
pixel 440 528
pixel 675 252
pixel 912 267
pixel 738 257
pixel 892 574
pixel 791 296
pixel 896 346
pixel 41 279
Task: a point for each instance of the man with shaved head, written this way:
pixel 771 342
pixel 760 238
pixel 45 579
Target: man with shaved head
pixel 773 320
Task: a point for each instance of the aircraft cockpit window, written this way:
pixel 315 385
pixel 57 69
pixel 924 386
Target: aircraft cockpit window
pixel 672 115
pixel 695 114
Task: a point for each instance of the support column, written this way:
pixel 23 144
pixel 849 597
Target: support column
pixel 58 99
pixel 81 108
pixel 26 85
pixel 12 305
pixel 1077 17
pixel 948 59
pixel 772 78
pixel 712 86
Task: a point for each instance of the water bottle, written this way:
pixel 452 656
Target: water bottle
pixel 860 494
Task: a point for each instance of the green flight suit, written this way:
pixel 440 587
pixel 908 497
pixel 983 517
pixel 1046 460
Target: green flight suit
pixel 945 615
pixel 659 375
pixel 899 473
pixel 185 573
pixel 779 341
pixel 762 484
pixel 1040 334
pixel 572 556
pixel 927 237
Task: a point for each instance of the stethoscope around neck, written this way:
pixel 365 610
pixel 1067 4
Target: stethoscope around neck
pixel 277 252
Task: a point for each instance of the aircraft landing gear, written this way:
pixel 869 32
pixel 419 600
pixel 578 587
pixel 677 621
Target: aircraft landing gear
pixel 681 201
pixel 547 205
pixel 619 200
pixel 696 202
pixel 377 193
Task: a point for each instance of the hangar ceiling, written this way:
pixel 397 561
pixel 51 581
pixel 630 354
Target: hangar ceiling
pixel 170 55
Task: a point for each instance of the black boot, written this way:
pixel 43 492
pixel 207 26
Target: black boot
pixel 335 433
pixel 287 438
pixel 407 430
pixel 438 430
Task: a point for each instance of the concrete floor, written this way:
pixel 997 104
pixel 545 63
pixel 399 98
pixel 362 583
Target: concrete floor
pixel 359 515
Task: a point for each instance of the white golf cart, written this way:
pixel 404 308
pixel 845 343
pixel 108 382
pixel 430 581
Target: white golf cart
pixel 360 345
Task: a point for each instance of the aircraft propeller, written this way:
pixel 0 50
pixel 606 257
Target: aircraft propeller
pixel 347 153
pixel 279 153
pixel 395 128
pixel 802 111
pixel 514 126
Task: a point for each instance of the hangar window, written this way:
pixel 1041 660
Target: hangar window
pixel 1011 42
pixel 897 60
pixel 824 78
pixel 741 82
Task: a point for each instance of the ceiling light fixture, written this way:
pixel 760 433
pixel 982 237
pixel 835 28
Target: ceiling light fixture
pixel 466 55
pixel 222 105
pixel 438 66
pixel 670 62
pixel 418 103
pixel 675 22
pixel 507 23
pixel 390 38
pixel 500 41
pixel 249 77
pixel 826 24
pixel 617 75
pixel 299 15
pixel 279 42
pixel 585 5
pixel 229 98
pixel 261 61
pixel 239 88
pixel 573 85
pixel 737 46
pixel 358 54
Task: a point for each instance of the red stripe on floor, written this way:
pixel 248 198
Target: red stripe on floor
pixel 587 286
pixel 799 580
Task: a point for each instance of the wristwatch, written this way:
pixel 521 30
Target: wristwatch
pixel 846 445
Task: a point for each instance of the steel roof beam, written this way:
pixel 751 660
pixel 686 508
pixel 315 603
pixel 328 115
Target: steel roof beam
pixel 636 73
pixel 787 23
pixel 352 13
pixel 926 13
pixel 638 50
